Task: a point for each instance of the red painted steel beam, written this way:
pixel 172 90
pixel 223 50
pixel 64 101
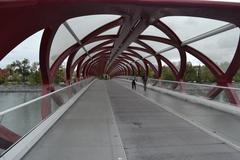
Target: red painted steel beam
pixel 233 67
pixel 80 65
pixel 75 48
pixel 90 36
pixel 124 57
pixel 174 38
pixel 31 19
pixel 70 67
pixel 7 137
pixel 217 72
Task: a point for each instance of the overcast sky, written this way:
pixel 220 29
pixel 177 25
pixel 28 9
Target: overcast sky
pixel 219 48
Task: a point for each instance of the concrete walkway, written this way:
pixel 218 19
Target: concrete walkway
pixel 149 132
pixel 88 131
pixel 222 124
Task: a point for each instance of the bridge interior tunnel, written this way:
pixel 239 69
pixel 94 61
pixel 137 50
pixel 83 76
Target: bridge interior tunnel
pixel 115 39
pixel 121 38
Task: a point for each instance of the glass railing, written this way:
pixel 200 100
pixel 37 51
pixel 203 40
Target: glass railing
pixel 20 120
pixel 228 95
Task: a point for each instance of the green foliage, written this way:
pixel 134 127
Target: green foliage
pixel 3 76
pixel 150 73
pixel 167 74
pixel 22 72
pixel 236 78
pixel 59 77
pixel 206 75
pixel 22 68
pixel 191 73
pixel 35 75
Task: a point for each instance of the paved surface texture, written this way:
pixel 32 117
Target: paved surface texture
pixel 150 133
pixel 85 132
pixel 223 124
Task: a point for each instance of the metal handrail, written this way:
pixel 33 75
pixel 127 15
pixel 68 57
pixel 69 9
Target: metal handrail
pixel 196 84
pixel 36 99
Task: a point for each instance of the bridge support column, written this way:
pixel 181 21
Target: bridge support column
pixel 46 102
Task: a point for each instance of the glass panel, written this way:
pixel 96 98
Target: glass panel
pixel 86 58
pixel 84 25
pixel 94 44
pixel 188 27
pixel 173 56
pixel 88 48
pixel 127 64
pixel 143 54
pixel 109 45
pixel 153 61
pixel 94 53
pixel 193 60
pixel 134 64
pixel 135 45
pixel 65 62
pixel 79 54
pixel 163 63
pixel 153 31
pixel 29 48
pixel 128 60
pixel 127 52
pixel 134 58
pixel 21 120
pixel 112 31
pixel 75 69
pixel 141 63
pixel 156 45
pixel 219 48
pixel 62 40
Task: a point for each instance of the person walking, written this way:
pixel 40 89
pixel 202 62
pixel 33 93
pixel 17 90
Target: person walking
pixel 134 84
pixel 144 79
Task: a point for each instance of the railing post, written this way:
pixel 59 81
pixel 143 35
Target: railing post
pixel 46 102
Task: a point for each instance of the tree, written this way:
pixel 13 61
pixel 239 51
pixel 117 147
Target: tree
pixel 236 78
pixel 191 73
pixel 206 75
pixel 59 77
pixel 3 75
pixel 22 68
pixel 150 73
pixel 35 75
pixel 167 74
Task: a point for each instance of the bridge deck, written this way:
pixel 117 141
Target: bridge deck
pixel 148 132
pixel 222 123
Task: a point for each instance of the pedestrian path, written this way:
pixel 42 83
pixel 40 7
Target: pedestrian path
pixel 149 132
pixel 87 131
pixel 110 120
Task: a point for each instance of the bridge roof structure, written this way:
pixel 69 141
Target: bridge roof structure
pixel 124 38
pixel 117 37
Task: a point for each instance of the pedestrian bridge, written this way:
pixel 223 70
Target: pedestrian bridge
pixel 118 40
pixel 106 120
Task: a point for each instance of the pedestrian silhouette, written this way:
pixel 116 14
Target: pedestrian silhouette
pixel 144 79
pixel 134 84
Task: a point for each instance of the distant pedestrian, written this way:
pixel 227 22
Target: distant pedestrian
pixel 134 84
pixel 144 79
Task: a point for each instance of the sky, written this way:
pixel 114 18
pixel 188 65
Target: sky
pixel 219 48
pixel 29 49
